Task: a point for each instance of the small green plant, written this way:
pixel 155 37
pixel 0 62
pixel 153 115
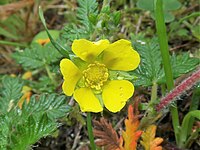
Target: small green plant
pixel 87 71
pixel 20 128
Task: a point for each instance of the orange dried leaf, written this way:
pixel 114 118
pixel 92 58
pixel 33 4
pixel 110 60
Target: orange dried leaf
pixel 26 96
pixel 149 142
pixel 27 75
pixel 132 134
pixel 106 135
pixel 43 41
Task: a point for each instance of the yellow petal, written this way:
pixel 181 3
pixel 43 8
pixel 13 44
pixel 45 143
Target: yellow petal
pixel 116 93
pixel 71 75
pixel 87 100
pixel 87 50
pixel 121 56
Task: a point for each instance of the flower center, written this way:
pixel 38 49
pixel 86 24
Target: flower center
pixel 95 75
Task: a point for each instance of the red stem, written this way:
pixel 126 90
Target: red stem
pixel 178 90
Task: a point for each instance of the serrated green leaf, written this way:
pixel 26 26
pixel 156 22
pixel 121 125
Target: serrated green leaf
pixel 31 131
pixel 21 128
pixel 43 85
pixel 53 105
pixel 37 56
pixel 183 63
pixel 86 7
pixel 72 32
pixel 4 132
pixel 87 16
pixel 149 70
pixel 11 93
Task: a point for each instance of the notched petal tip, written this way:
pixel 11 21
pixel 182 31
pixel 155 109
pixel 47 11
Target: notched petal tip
pixel 116 93
pixel 121 56
pixel 87 50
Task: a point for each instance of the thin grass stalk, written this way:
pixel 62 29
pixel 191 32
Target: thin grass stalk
pixel 12 43
pixel 163 42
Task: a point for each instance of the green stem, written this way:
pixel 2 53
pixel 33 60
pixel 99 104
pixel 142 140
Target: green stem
pixel 12 43
pixel 151 104
pixel 194 14
pixel 50 75
pixel 154 93
pixel 90 133
pixel 163 42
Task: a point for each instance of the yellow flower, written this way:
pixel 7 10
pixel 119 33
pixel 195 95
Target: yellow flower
pixel 89 79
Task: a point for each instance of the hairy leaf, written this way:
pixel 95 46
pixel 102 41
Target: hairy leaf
pixel 43 85
pixel 183 63
pixel 11 93
pixel 31 131
pixel 19 128
pixel 131 134
pixel 85 10
pixel 4 132
pixel 72 32
pixel 149 142
pixel 53 105
pixel 150 70
pixel 106 135
pixel 37 56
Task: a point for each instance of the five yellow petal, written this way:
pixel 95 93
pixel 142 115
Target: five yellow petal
pixel 116 93
pixel 87 50
pixel 121 56
pixel 87 100
pixel 71 76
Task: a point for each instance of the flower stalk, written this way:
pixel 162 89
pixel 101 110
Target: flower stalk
pixel 90 133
